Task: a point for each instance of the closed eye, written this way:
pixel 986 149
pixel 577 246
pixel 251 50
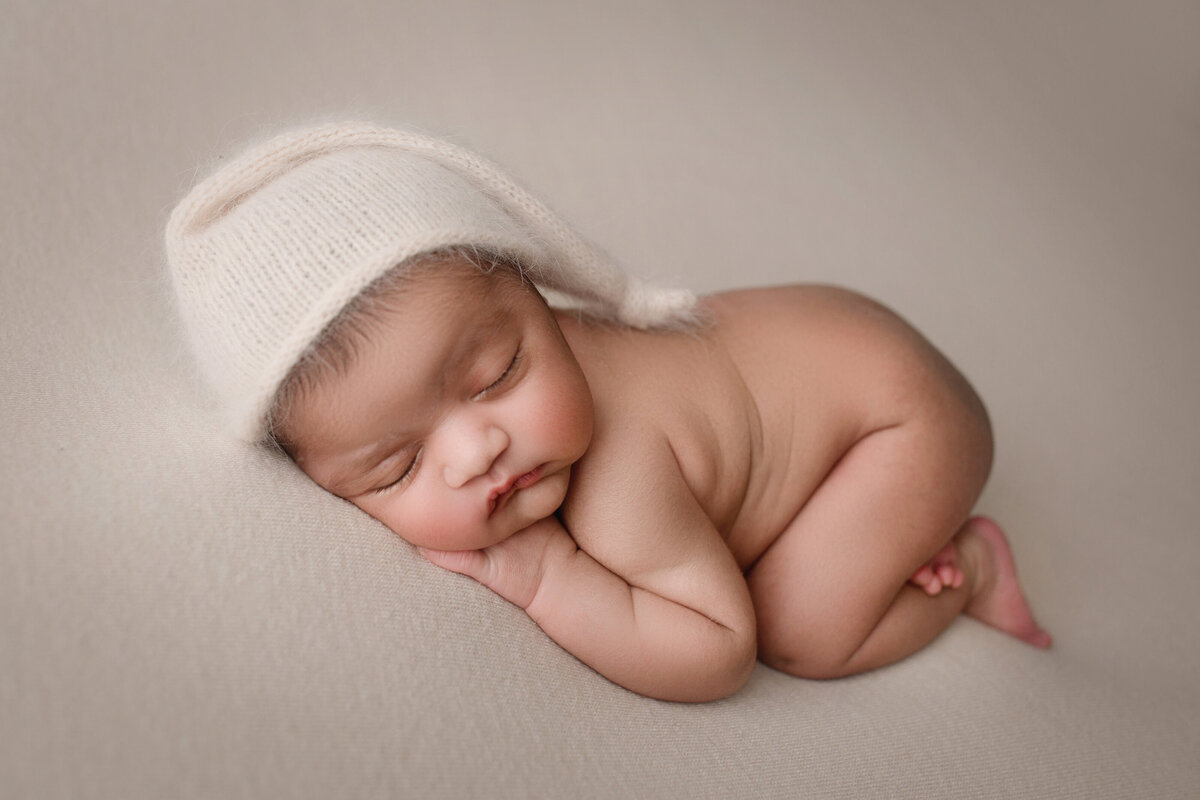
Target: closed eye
pixel 405 477
pixel 509 371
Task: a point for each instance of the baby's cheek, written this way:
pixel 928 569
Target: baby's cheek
pixel 444 525
pixel 569 412
pixel 399 519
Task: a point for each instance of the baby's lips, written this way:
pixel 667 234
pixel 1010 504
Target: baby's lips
pixel 498 498
pixel 529 478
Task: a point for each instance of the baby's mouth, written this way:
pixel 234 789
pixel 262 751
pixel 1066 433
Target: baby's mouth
pixel 500 497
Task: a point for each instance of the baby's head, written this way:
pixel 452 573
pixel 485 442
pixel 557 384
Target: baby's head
pixel 365 297
pixel 444 402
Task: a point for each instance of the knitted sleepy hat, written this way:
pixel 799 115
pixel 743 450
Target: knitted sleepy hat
pixel 264 253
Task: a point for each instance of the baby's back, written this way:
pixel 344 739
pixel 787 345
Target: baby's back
pixel 760 406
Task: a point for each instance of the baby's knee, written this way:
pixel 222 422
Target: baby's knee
pixel 811 660
pixel 817 646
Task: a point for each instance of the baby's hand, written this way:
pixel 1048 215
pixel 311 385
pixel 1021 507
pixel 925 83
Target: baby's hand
pixel 513 568
pixel 941 572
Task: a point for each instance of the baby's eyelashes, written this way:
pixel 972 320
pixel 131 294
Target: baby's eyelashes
pixel 405 477
pixel 509 373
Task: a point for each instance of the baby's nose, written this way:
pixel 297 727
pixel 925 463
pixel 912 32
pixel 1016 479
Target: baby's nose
pixel 472 454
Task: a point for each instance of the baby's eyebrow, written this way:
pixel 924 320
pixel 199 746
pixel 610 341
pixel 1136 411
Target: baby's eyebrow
pixel 477 337
pixel 469 348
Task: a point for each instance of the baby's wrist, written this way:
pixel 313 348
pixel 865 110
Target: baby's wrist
pixel 559 550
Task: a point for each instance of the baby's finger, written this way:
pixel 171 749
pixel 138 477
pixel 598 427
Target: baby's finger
pixel 465 562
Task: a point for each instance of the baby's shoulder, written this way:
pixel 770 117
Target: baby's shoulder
pixel 627 494
pixel 675 434
pixel 656 387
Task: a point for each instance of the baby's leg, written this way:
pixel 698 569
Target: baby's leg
pixel 833 594
pixel 996 598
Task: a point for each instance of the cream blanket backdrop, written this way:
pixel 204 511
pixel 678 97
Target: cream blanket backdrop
pixel 184 617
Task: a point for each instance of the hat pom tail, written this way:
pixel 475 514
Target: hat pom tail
pixel 645 306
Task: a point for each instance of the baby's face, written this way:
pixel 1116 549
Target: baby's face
pixel 457 423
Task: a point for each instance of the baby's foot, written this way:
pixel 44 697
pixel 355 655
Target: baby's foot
pixel 998 600
pixel 942 571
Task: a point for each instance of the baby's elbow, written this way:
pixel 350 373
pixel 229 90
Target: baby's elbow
pixel 726 669
pixel 739 654
pixel 737 672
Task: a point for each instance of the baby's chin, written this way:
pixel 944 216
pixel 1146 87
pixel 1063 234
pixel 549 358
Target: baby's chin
pixel 544 498
pixel 542 502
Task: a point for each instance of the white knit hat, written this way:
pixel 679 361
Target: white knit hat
pixel 265 253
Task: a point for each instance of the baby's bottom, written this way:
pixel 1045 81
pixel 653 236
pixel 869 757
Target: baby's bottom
pixel 833 592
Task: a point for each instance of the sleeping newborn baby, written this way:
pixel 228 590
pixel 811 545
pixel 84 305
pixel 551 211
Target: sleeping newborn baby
pixel 669 487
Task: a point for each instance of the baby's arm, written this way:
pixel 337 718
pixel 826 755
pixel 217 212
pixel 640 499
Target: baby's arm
pixel 662 607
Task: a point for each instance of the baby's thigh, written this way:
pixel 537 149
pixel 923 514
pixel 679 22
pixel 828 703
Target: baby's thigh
pixel 893 500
